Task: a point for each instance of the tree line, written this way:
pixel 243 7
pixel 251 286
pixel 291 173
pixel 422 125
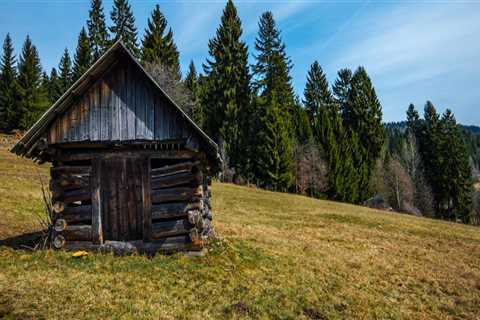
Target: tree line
pixel 330 143
pixel 431 164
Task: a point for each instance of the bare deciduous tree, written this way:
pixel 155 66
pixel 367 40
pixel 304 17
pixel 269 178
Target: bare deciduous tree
pixel 172 85
pixel 311 170
pixel 399 186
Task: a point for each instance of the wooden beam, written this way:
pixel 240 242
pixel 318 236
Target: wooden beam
pixel 173 169
pixel 176 179
pixel 75 214
pixel 78 233
pixel 176 194
pixel 147 202
pixel 96 213
pixel 170 228
pixel 174 209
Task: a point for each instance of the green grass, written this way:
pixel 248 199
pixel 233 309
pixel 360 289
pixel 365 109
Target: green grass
pixel 281 256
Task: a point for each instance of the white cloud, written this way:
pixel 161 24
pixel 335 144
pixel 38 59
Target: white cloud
pixel 417 52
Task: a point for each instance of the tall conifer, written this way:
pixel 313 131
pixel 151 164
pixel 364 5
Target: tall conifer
pixel 124 25
pixel 33 100
pixel 363 115
pixel 83 56
pixel 191 83
pixel 413 120
pixel 274 107
pixel 65 68
pixel 341 88
pixel 456 181
pixel 317 93
pixel 9 113
pixel 158 45
pixel 226 94
pixel 54 89
pixel 338 144
pixel 97 29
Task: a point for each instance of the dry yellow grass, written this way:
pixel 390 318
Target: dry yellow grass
pixel 282 256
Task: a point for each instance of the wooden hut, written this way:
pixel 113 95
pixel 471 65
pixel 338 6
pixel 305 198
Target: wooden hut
pixel 129 167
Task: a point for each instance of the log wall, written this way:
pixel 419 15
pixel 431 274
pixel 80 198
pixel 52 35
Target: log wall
pixel 147 201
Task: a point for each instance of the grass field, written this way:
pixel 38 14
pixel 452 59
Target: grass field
pixel 281 256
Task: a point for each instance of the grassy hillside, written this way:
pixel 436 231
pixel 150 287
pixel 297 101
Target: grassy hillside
pixel 282 256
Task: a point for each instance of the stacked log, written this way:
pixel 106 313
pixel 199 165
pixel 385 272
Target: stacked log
pixel 178 202
pixel 70 186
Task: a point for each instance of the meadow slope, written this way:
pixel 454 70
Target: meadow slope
pixel 281 256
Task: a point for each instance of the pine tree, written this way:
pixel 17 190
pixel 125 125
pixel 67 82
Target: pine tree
pixel 124 25
pixel 413 120
pixel 341 88
pixel 301 124
pixel 317 93
pixel 83 56
pixel 274 153
pixel 32 100
pixel 457 182
pixel 191 83
pixel 432 155
pixel 339 145
pixel 274 107
pixel 158 45
pixel 65 78
pixel 54 90
pixel 226 94
pixel 97 29
pixel 363 115
pixel 9 113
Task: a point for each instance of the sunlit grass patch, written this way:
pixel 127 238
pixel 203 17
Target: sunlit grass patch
pixel 280 256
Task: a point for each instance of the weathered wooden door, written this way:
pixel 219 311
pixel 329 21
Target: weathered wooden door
pixel 121 197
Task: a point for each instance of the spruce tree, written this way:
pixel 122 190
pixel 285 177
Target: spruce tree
pixel 339 145
pixel 54 90
pixel 158 45
pixel 456 181
pixel 413 120
pixel 317 93
pixel 274 107
pixel 124 25
pixel 341 88
pixel 432 155
pixel 83 56
pixel 65 66
pixel 363 116
pixel 9 113
pixel 301 124
pixel 191 83
pixel 97 29
pixel 32 100
pixel 226 94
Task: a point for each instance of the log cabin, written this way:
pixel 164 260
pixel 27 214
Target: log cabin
pixel 129 168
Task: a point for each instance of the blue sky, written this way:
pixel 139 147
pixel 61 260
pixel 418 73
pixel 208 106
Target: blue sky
pixel 412 50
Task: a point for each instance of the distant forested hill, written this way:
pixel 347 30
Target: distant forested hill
pixel 471 136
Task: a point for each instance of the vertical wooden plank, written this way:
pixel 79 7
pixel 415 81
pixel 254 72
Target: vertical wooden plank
pixel 103 110
pixel 116 116
pixel 139 109
pixel 147 204
pixel 131 103
pixel 91 114
pixel 97 231
pixel 150 113
pixel 157 117
pixel 123 104
pixel 86 117
pixel 95 111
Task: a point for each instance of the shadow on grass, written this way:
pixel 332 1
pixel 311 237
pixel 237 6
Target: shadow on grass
pixel 23 241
